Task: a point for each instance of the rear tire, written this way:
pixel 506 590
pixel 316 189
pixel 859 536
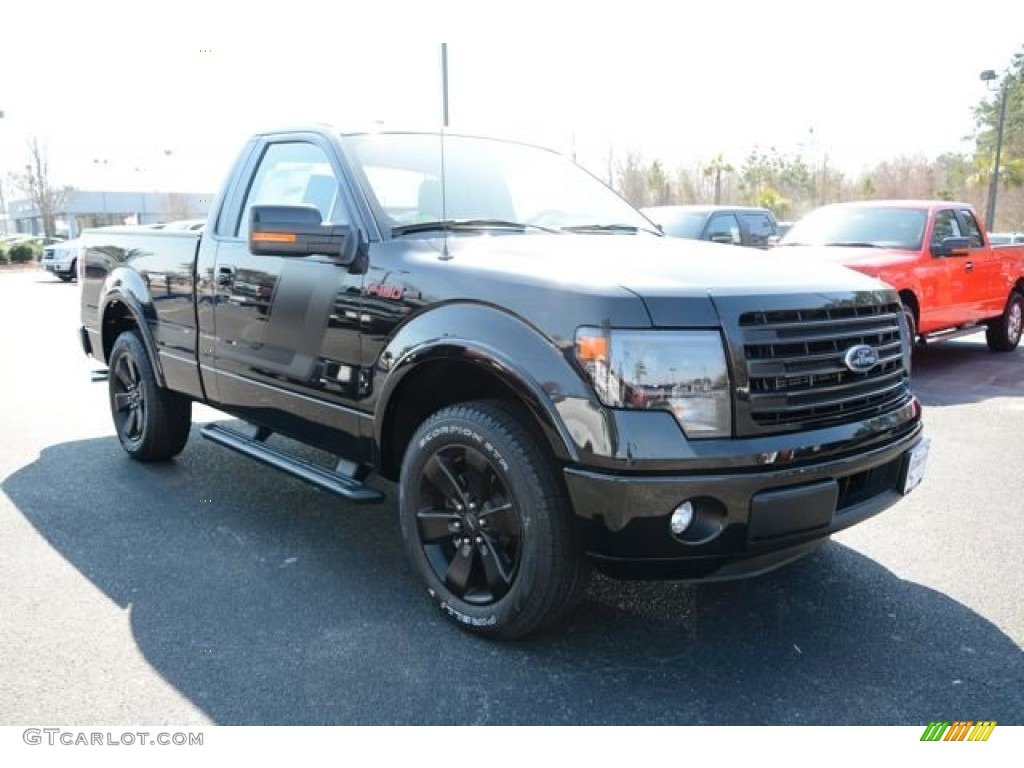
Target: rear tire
pixel 487 523
pixel 1004 332
pixel 152 423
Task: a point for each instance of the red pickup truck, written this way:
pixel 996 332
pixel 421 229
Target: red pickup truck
pixel 951 281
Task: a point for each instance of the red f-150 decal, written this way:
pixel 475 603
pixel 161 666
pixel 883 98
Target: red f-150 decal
pixel 395 292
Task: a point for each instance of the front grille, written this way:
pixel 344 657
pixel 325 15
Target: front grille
pixel 797 374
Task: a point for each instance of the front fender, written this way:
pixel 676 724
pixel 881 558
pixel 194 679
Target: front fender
pixel 126 287
pixel 536 367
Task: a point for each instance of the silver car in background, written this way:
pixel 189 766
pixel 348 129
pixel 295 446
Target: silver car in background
pixel 61 259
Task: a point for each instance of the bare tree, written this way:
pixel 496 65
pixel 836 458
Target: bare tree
pixel 632 179
pixel 688 186
pixel 36 183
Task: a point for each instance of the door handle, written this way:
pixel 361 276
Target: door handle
pixel 225 276
pixel 969 266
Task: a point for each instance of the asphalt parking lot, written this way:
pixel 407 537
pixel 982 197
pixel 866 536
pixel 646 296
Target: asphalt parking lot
pixel 213 590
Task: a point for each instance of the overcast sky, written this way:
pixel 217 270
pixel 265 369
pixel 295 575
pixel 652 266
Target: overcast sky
pixel 113 86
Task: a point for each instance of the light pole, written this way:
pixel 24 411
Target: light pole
pixel 990 214
pixel 444 84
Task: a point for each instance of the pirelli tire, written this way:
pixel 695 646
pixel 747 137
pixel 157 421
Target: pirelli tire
pixel 486 521
pixel 1004 332
pixel 152 423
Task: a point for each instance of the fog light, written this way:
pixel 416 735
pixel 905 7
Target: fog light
pixel 681 518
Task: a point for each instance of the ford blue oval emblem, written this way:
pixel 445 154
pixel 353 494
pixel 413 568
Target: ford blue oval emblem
pixel 861 358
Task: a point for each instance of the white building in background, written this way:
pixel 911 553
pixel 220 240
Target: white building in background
pixel 97 208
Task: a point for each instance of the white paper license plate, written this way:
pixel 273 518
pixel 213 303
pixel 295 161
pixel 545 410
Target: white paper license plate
pixel 915 467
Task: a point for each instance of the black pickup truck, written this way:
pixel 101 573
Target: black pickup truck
pixel 552 383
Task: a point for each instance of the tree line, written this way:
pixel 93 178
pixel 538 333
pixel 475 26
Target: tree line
pixel 790 184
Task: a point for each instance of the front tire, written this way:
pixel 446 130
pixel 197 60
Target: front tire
pixel 486 521
pixel 911 320
pixel 1004 332
pixel 152 423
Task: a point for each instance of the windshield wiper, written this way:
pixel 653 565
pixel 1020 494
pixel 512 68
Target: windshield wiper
pixel 454 225
pixel 629 228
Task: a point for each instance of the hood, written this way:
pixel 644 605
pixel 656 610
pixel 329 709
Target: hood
pixel 868 260
pixel 651 266
pixel 680 282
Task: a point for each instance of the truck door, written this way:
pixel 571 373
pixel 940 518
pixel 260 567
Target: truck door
pixel 285 356
pixel 946 284
pixel 987 292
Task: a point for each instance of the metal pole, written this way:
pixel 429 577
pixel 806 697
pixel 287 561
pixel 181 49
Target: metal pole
pixel 990 215
pixel 444 83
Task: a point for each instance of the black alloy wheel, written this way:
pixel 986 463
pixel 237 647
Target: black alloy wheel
pixel 487 523
pixel 152 422
pixel 128 398
pixel 468 523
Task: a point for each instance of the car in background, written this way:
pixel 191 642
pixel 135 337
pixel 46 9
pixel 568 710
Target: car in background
pixel 1005 238
pixel 61 259
pixel 950 279
pixel 733 225
pixel 185 225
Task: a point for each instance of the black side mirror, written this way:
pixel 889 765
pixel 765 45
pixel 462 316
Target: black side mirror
pixel 952 246
pixel 298 230
pixel 722 237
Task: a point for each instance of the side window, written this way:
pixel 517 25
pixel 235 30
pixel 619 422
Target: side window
pixel 973 230
pixel 760 228
pixel 293 173
pixel 724 228
pixel 945 226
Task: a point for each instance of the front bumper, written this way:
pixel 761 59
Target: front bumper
pixel 747 521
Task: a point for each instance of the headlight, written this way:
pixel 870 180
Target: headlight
pixel 683 372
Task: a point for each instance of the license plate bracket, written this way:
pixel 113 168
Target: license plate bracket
pixel 916 461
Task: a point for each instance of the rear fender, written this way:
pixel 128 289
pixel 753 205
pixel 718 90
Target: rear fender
pixel 125 288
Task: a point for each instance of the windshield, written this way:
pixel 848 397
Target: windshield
pixel 860 225
pixel 485 181
pixel 688 224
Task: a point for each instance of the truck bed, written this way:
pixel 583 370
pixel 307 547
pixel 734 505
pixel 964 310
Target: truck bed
pixel 153 273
